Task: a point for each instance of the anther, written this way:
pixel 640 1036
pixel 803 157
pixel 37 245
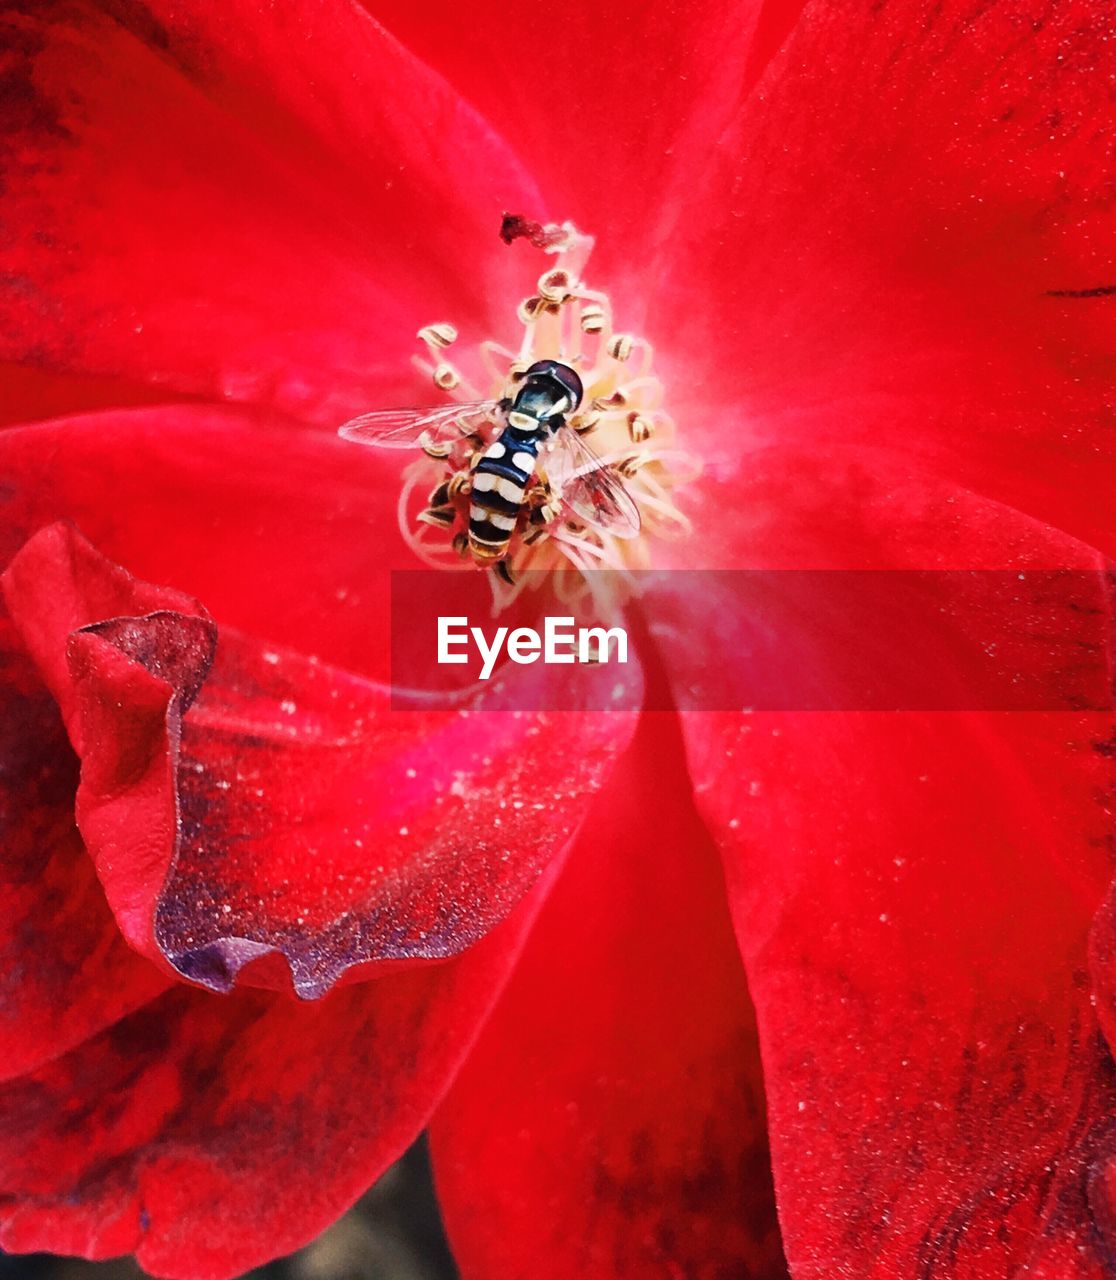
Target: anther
pixel 529 309
pixel 446 377
pixel 592 318
pixel 547 508
pixel 639 428
pixel 437 449
pixel 620 346
pixel 438 336
pixel 440 517
pixel 555 285
pixel 633 463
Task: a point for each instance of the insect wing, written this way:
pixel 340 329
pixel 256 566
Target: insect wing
pixel 588 487
pixel 412 428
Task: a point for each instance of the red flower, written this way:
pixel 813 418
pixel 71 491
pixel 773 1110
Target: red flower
pixel 874 248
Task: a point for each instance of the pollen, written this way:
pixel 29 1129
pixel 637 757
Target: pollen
pixel 621 418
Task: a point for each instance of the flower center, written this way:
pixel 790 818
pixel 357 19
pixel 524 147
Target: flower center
pixel 619 418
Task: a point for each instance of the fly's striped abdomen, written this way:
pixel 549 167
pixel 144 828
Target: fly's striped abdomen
pixel 499 489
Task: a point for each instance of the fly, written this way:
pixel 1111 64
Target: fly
pixel 503 475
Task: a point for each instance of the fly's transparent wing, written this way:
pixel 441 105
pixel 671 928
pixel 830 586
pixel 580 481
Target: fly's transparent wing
pixel 413 428
pixel 593 491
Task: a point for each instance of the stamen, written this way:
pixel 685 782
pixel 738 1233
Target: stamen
pixel 555 285
pixel 592 318
pixel 438 336
pixel 640 428
pixel 446 376
pixel 530 309
pixel 620 418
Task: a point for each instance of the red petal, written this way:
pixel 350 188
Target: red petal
pixel 28 393
pixel 906 250
pixel 640 96
pixel 800 506
pixel 65 971
pixel 209 1134
pixel 252 203
pixel 612 1111
pixel 288 535
pixel 276 803
pixel 913 895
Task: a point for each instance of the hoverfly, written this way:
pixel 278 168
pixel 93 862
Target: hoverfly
pixel 535 424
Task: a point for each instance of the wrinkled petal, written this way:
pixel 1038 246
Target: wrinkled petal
pixel 612 1111
pixel 237 800
pixel 219 1132
pixel 251 203
pixel 65 971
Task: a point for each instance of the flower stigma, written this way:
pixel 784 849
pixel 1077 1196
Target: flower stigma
pixel 620 418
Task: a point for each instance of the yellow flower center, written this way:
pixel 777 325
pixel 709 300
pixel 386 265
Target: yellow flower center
pixel 621 418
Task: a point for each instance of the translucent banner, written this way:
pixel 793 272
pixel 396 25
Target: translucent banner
pixel 762 640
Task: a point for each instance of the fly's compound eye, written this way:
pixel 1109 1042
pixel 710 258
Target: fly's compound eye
pixel 562 374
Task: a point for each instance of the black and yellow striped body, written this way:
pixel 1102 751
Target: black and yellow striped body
pixel 548 392
pixel 499 487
